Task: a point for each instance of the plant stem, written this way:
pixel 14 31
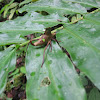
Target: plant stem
pixel 24 43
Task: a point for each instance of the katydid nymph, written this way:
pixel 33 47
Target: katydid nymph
pixel 45 39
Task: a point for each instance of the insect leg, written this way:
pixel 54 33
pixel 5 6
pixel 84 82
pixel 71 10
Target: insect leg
pixel 32 43
pixel 44 52
pixel 33 40
pixel 63 49
pixel 51 46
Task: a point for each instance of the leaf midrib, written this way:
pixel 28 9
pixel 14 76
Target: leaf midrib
pixel 84 41
pixel 51 7
pixel 51 76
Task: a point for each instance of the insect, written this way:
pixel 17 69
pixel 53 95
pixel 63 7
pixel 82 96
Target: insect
pixel 45 39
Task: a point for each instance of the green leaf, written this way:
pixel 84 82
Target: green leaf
pixel 83 79
pixel 12 13
pixel 82 40
pixel 13 5
pixel 54 6
pixel 6 39
pixel 94 94
pixel 31 22
pixel 35 22
pixel 7 64
pixel 57 80
pixel 92 3
pixel 14 73
pixel 23 70
pixel 73 19
pixel 9 7
pixel 24 2
pixel 76 18
pixel 0 0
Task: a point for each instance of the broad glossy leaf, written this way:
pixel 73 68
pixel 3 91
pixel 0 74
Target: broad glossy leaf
pixel 82 40
pixel 7 64
pixel 6 39
pixel 56 80
pixel 35 22
pixel 55 6
pixel 83 79
pixel 94 94
pixel 93 3
pixel 30 23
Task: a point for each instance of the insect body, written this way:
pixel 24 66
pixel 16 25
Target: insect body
pixel 45 39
